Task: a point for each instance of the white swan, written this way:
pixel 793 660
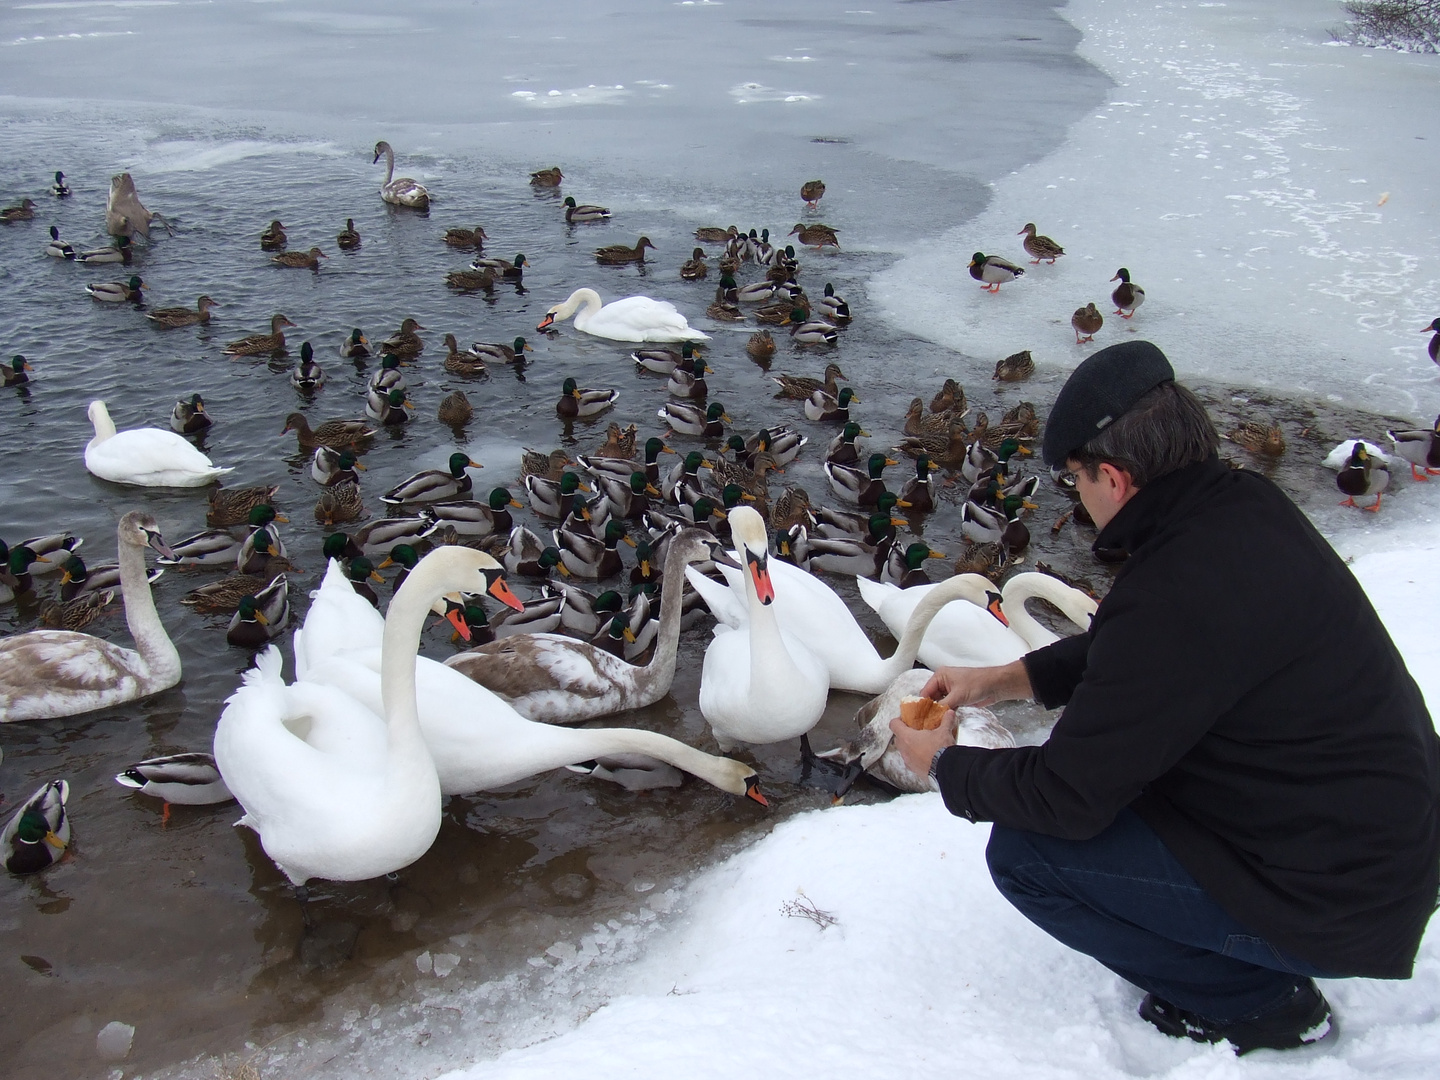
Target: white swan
pixel 962 637
pixel 145 457
pixel 334 790
pixel 761 684
pixel 49 673
pixel 808 608
pixel 634 318
pixel 479 742
pixel 559 680
pixel 399 190
pixel 874 751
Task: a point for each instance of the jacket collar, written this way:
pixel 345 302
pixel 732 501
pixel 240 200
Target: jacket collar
pixel 1156 505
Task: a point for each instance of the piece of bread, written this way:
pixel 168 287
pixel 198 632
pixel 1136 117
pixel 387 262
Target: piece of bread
pixel 921 713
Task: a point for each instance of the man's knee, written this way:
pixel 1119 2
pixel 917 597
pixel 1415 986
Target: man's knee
pixel 1012 859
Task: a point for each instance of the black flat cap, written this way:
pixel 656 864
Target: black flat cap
pixel 1100 391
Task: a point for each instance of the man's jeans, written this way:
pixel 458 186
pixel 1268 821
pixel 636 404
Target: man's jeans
pixel 1122 898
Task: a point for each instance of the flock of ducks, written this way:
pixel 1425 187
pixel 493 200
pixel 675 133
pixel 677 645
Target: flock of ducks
pixel 341 771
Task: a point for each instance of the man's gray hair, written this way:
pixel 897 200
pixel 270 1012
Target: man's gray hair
pixel 1166 429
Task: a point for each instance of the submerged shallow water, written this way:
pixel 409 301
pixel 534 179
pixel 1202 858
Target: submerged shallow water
pixel 187 931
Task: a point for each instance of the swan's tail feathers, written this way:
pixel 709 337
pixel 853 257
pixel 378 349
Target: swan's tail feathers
pixel 872 592
pixel 267 668
pixel 334 579
pixel 719 598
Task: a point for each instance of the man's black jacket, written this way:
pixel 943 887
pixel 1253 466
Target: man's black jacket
pixel 1238 691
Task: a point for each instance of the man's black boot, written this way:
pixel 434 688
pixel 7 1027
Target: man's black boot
pixel 1302 1018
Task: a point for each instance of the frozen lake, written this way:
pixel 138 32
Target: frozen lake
pixel 1226 153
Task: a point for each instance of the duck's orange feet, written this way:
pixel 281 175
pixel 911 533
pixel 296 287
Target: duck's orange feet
pixel 1376 508
pixel 1416 474
pixel 1350 502
pixel 165 816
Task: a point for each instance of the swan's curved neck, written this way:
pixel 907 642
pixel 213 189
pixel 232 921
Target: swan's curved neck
pixel 162 660
pixel 104 427
pixel 1075 605
pixel 656 676
pixel 971 587
pixel 404 620
pixel 584 304
pixel 601 742
pixel 389 165
pixel 769 659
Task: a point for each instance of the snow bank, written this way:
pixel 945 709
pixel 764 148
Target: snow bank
pixel 927 971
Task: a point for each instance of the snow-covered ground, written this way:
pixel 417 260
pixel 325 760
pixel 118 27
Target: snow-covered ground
pixel 1268 190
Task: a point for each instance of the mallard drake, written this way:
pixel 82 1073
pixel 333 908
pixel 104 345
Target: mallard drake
pixel 547 177
pixel 553 499
pixel 756 292
pixel 804 332
pixel 905 566
pixel 15 578
pixel 122 251
pixel 15 374
pixel 1127 296
pixel 685 474
pixel 663 361
pixel 1264 439
pixel 628 498
pixel 59 188
pixel 38 833
pixel 330 467
pixel 356 346
pixel 388 407
pixel 261 617
pixel 307 374
pixel 77 613
pixel 713 234
pixel 223 597
pixel 833 524
pixel 259 547
pixel 619 254
pixel 455 409
pixel 1040 247
pixel 348 239
pixel 528 556
pixel 575 402
pixel 549 466
pixel 1086 322
pixel 812 191
pixel 1434 347
pixel 380 536
pixel 270 344
pixel 52 550
pixel 862 486
pixel 360 572
pixel 273 238
pixel 169 318
pixel 917 493
pixel 583 213
pixel 695 267
pixel 336 434
pixel 405 342
pixel 1015 367
pixel 388 377
pixel 24 212
pixel 992 271
pixel 586 557
pixel 465 238
pixel 760 347
pixel 58 249
pixel 499 352
pixel 403 556
pixel 190 417
pixel 399 190
pixel 816 236
pixel 469 517
pixel 581 613
pixel 801 387
pixel 985 525
pixel 471 280
pixel 215 547
pixel 339 503
pixel 117 292
pixel 620 468
pixel 513 270
pixel 179 779
pixel 1421 448
pixel 469 363
pixel 727 290
pixel 691 418
pixel 231 506
pixel 842 449
pixel 687 380
pixel 833 306
pixel 1364 473
pixel 782 443
pixel 762 251
pixel 434 484
pixel 823 408
pixel 856 557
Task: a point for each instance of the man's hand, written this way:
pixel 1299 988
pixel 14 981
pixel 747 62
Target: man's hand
pixel 919 747
pixel 957 686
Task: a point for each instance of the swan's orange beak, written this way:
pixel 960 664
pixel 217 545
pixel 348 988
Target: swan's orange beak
pixel 760 574
pixel 456 618
pixel 501 591
pixel 752 791
pixel 546 322
pixel 994 608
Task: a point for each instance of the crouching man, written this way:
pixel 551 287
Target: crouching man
pixel 1243 793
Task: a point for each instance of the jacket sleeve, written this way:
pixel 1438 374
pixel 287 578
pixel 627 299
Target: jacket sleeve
pixel 1160 670
pixel 1057 669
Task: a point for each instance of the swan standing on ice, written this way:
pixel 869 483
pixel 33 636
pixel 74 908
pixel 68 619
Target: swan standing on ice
pixel 634 318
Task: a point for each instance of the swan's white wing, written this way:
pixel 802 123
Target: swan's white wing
pixel 724 604
pixel 150 456
pixel 339 619
pixel 48 673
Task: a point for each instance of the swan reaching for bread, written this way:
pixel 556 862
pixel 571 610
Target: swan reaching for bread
pixel 633 318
